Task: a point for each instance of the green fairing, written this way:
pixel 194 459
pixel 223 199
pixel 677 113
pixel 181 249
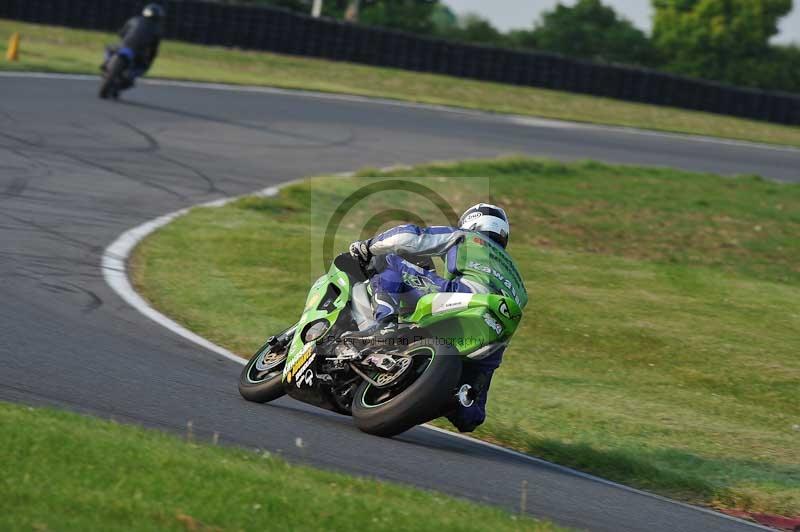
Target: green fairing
pixel 311 313
pixel 466 327
pixel 482 261
pixel 475 320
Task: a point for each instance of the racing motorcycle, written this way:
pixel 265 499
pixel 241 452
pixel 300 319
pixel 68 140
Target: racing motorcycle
pixel 116 69
pixel 390 383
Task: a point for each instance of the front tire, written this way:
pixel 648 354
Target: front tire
pixel 261 380
pixel 388 412
pixel 108 87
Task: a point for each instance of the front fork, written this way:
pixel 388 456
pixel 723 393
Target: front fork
pixel 282 339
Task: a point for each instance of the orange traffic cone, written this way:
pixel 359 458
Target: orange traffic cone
pixel 13 48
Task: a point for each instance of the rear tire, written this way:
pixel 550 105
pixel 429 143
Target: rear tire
pixel 385 413
pixel 261 380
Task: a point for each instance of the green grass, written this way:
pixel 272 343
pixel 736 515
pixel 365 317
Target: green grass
pixel 660 347
pixel 62 471
pixel 54 49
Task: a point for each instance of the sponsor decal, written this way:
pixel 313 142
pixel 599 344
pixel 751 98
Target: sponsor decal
pixel 307 378
pixel 473 216
pixel 447 302
pixel 504 310
pixel 302 364
pixel 493 324
pixel 491 271
pixel 419 282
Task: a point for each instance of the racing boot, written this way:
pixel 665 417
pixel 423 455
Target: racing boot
pixel 382 327
pixel 386 315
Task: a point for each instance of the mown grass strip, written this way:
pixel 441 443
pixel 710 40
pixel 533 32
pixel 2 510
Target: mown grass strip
pixel 62 471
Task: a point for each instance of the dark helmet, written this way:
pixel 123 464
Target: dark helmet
pixel 154 11
pixel 488 219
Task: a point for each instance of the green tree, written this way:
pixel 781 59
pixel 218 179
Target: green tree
pixel 408 15
pixel 725 40
pixel 474 29
pixel 521 39
pixel 778 69
pixel 443 19
pixel 590 30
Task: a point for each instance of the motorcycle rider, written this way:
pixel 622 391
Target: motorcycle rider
pixel 141 36
pixel 476 262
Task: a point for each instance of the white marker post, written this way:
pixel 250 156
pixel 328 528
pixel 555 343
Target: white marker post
pixel 316 8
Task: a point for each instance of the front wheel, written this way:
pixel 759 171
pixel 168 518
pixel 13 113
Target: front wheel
pixel 109 85
pixel 423 395
pixel 262 376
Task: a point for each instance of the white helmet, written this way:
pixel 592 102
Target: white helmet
pixel 488 219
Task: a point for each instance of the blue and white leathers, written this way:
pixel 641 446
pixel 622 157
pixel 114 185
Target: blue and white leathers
pixel 400 283
pixel 413 242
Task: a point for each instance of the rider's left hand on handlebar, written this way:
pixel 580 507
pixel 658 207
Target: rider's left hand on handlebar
pixel 359 250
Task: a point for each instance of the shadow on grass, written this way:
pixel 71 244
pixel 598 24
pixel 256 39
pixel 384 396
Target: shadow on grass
pixel 674 472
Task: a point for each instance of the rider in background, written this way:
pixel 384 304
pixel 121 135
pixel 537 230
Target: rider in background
pixel 141 37
pixel 476 263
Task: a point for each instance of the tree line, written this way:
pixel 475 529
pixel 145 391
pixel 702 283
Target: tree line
pixel 722 40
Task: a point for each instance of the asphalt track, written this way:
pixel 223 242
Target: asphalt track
pixel 75 172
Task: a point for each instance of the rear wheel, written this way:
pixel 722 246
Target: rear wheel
pixel 423 394
pixel 261 379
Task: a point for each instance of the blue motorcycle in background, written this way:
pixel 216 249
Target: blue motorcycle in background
pixel 119 71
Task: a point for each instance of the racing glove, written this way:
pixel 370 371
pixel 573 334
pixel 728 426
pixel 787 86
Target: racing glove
pixel 359 250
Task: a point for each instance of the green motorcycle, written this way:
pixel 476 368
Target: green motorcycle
pixel 392 383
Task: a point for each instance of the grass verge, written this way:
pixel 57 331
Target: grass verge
pixel 62 471
pixel 660 345
pixel 56 49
